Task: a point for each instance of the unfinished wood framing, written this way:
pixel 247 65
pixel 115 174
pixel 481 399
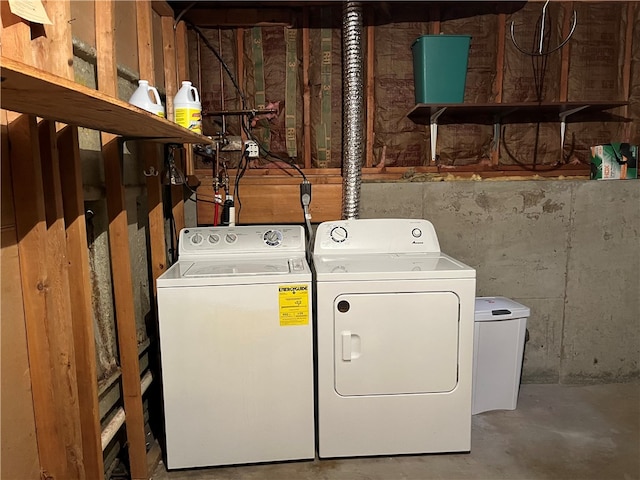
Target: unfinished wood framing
pixel 170 63
pixel 370 90
pixel 119 249
pixel 80 293
pixel 51 355
pixel 565 53
pixel 306 86
pixel 626 69
pixel 150 152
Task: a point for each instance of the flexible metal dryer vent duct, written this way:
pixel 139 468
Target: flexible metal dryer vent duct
pixel 352 109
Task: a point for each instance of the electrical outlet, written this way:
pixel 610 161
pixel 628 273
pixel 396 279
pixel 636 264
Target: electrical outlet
pixel 252 149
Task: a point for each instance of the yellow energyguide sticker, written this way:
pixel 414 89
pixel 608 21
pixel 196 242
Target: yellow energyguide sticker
pixel 294 305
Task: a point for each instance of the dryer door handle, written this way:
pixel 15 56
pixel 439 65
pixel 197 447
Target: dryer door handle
pixel 346 346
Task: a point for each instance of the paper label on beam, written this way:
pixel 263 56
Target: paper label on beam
pixel 31 10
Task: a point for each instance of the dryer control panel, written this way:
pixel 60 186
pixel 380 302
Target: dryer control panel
pixel 197 242
pixel 383 235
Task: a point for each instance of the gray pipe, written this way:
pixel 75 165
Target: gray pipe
pixel 352 109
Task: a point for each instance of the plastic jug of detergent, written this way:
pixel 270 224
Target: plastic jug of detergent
pixel 147 98
pixel 187 108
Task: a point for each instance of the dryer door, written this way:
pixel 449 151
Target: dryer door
pixel 396 343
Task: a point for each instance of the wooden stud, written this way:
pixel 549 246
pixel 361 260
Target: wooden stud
pixel 51 363
pixel 125 310
pixel 170 67
pixel 306 93
pixel 240 71
pixel 565 53
pixel 80 292
pixel 626 69
pixel 499 78
pixel 16 36
pixel 500 51
pixel 182 60
pixel 370 89
pixel 53 51
pixel 145 41
pixel 149 151
pixel 119 250
pixel 107 70
pixel 58 285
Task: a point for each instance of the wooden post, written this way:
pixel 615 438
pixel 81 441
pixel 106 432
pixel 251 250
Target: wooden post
pixel 80 293
pixel 182 60
pixel 120 255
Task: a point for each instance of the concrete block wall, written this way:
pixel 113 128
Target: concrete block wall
pixel 568 249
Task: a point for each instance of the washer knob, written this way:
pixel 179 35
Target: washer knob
pixel 214 238
pixel 273 238
pixel 197 239
pixel 230 237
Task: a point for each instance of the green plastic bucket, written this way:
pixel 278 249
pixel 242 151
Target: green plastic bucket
pixel 440 68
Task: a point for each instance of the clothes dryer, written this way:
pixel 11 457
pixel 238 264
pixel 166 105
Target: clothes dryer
pixel 395 321
pixel 237 347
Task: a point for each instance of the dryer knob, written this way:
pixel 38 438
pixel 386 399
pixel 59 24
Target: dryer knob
pixel 338 234
pixel 416 232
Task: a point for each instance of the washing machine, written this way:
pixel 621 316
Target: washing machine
pixel 394 323
pixel 236 341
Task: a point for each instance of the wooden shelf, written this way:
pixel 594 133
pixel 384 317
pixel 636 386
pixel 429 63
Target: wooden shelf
pixel 499 113
pixel 26 89
pixel 524 112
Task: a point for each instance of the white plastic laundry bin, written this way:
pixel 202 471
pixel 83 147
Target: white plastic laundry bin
pixel 498 347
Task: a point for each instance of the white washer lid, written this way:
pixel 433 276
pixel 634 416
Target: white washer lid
pixel 491 309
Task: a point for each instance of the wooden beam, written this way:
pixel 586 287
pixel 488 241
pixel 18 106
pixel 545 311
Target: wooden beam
pixel 241 17
pixel 370 88
pixel 276 204
pixel 306 92
pixel 80 293
pixel 162 8
pixel 119 250
pixel 51 362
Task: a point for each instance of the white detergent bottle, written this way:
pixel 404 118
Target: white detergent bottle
pixel 147 98
pixel 187 108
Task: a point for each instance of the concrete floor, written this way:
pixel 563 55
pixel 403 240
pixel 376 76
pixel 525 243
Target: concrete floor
pixel 557 432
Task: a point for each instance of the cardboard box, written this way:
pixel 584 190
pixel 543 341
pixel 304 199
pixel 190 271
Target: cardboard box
pixel 614 161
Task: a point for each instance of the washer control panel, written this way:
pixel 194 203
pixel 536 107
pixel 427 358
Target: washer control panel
pixel 384 235
pixel 258 239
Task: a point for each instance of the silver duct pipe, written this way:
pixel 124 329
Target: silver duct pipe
pixel 352 109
